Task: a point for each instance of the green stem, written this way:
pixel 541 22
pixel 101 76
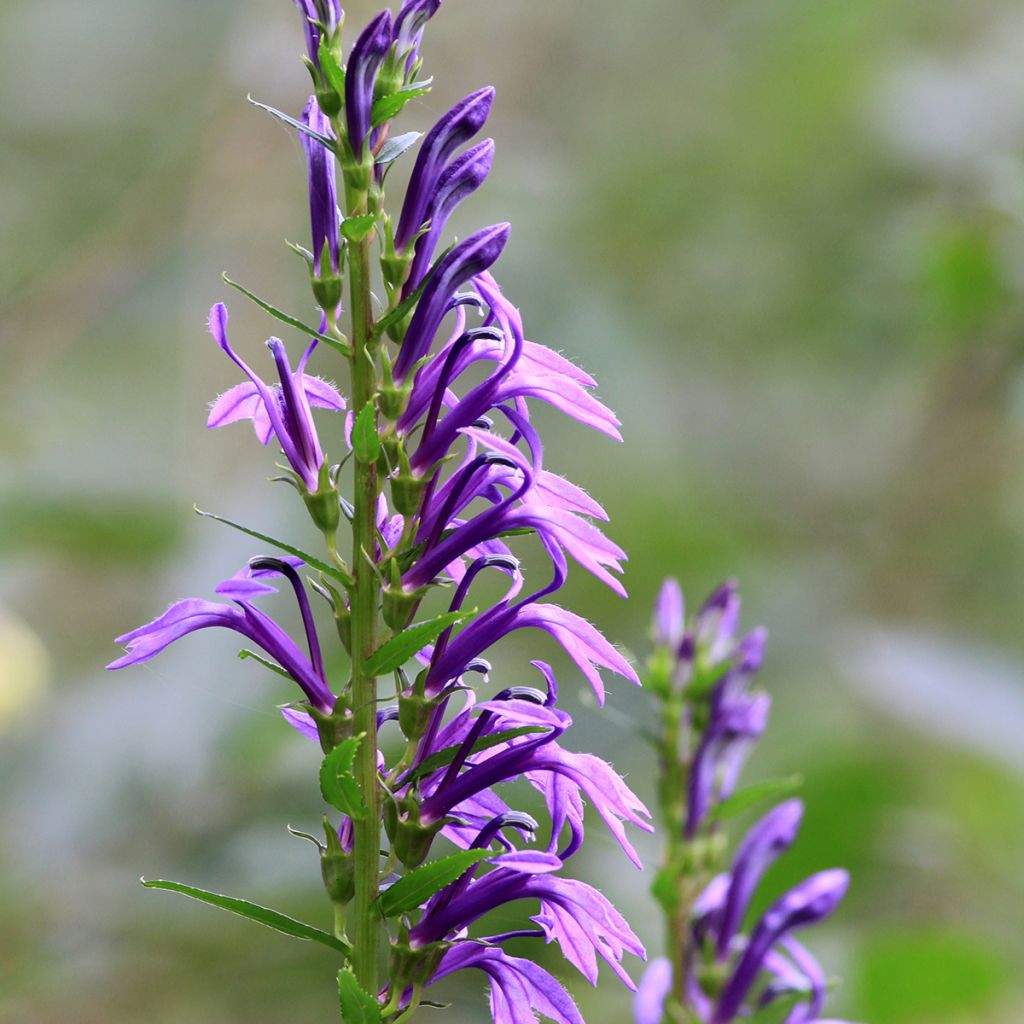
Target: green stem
pixel 675 772
pixel 364 920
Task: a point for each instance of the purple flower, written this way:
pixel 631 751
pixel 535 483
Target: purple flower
pixel 669 615
pixel 769 838
pixel 584 644
pixel 716 622
pixel 461 178
pixel 409 25
pixel 737 719
pixel 245 618
pixel 325 12
pixel 364 62
pixel 323 191
pixel 807 903
pixel 281 410
pixel 575 915
pixel 455 128
pixel 520 990
pixel 470 257
pixel 562 776
pixel 655 985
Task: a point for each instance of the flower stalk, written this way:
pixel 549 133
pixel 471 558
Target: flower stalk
pixel 364 605
pixel 444 468
pixel 700 674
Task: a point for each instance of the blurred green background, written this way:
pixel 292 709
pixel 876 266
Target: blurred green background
pixel 786 236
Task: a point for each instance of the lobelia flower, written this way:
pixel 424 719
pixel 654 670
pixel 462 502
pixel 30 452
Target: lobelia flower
pixel 727 975
pixel 467 259
pixel 364 62
pixel 409 26
pixel 466 469
pixel 323 191
pixel 281 410
pixel 316 13
pixel 245 618
pixel 453 130
pixel 520 989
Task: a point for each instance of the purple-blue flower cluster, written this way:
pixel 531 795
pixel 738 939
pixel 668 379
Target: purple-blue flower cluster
pixel 719 970
pixel 461 471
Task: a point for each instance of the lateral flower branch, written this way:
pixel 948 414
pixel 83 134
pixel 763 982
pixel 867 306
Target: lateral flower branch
pixel 419 480
pixel 717 969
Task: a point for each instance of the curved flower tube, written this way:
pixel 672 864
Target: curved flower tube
pixel 194 614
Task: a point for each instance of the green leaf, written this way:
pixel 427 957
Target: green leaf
pixel 245 654
pixel 355 229
pixel 415 888
pixel 391 105
pixel 286 318
pixel 326 142
pixel 337 783
pixel 326 568
pixel 401 647
pixel 444 757
pixel 365 442
pixel 395 147
pixel 357 1005
pixel 254 912
pixel 778 1011
pixel 330 68
pixel 755 793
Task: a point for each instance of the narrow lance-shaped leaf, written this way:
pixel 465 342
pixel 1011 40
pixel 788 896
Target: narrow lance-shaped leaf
pixel 357 1005
pixel 287 318
pixel 755 793
pixel 400 648
pixel 311 560
pixel 245 654
pixel 297 125
pixel 337 782
pixel 391 105
pixel 396 146
pixel 415 888
pixel 261 915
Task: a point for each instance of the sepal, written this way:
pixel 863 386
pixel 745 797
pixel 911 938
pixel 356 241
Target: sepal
pixel 336 867
pixel 324 507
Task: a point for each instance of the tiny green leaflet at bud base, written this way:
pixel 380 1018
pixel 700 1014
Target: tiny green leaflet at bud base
pixel 365 440
pixel 414 713
pixel 407 493
pixel 324 507
pixel 335 728
pixel 391 76
pixel 343 623
pixel 332 80
pixel 328 286
pixel 355 229
pixel 399 604
pixel 412 841
pixel 413 968
pixel 336 867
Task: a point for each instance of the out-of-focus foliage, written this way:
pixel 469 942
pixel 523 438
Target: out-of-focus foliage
pixel 786 237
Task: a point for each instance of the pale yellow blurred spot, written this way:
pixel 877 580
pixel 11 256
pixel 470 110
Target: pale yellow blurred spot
pixel 24 668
